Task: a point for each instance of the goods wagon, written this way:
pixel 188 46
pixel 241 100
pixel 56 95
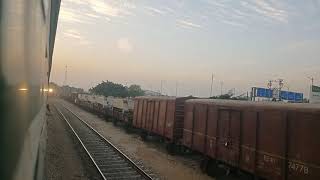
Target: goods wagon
pixel 122 109
pixel 98 104
pixel 83 101
pixel 72 97
pixel 267 140
pixel 162 116
pixel 108 106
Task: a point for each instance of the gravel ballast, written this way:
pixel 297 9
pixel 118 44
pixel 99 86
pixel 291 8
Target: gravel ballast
pixel 65 158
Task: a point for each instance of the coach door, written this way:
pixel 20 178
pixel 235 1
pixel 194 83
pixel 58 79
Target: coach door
pixel 229 123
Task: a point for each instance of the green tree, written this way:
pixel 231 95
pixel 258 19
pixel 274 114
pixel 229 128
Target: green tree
pixel 110 89
pixel 135 90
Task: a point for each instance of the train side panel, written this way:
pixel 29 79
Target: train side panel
pixel 188 125
pixel 135 112
pixel 249 126
pixel 156 116
pixel 199 128
pixel 170 120
pixel 303 145
pixel 271 142
pixel 161 116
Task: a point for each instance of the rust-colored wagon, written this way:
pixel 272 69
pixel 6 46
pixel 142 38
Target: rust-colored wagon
pixel 162 116
pixel 276 141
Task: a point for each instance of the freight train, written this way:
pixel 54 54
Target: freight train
pixel 27 36
pixel 118 110
pixel 259 140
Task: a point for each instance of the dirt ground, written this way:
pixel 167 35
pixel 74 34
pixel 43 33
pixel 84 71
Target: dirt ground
pixel 64 158
pixel 150 155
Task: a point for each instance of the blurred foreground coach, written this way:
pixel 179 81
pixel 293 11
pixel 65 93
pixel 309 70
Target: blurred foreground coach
pixel 27 34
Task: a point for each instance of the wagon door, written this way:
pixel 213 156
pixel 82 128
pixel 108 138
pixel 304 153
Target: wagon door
pixel 229 123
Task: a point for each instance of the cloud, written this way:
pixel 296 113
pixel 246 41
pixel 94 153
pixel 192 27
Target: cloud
pixel 75 35
pixel 226 13
pixel 267 9
pixel 92 15
pixel 234 23
pixel 216 3
pixel 244 13
pixel 112 9
pixel 68 15
pixel 103 8
pixel 188 24
pixel 86 11
pixel 124 45
pixel 154 10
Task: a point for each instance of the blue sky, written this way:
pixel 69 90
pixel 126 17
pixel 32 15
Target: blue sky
pixel 243 43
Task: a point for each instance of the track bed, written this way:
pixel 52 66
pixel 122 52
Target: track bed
pixel 108 159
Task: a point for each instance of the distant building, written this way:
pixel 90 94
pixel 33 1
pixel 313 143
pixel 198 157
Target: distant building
pixel 266 94
pixel 315 94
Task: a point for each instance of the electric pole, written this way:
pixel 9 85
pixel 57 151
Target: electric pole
pixel 161 87
pixel 65 76
pixel 311 79
pixel 221 86
pixel 211 85
pixel 177 89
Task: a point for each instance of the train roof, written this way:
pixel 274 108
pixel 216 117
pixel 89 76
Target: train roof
pixel 162 97
pixel 255 104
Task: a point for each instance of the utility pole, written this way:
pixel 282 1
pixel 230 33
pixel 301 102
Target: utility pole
pixel 221 85
pixel 270 88
pixel 312 79
pixel 65 76
pixel 211 85
pixel 281 84
pixel 177 89
pixel 161 87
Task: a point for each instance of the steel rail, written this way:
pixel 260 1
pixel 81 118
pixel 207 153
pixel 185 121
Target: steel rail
pixel 83 146
pixel 124 157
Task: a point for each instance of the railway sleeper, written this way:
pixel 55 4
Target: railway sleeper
pixel 114 165
pixel 127 173
pixel 110 161
pixel 136 177
pixel 104 154
pixel 116 169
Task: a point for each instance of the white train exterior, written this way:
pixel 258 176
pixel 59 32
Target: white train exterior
pixel 27 36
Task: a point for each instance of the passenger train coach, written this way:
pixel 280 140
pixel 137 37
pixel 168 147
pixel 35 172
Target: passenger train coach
pixel 27 38
pixel 259 140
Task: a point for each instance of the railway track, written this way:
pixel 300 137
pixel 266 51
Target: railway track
pixel 111 163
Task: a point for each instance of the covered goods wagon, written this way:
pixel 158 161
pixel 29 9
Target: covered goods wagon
pixel 269 140
pixel 158 115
